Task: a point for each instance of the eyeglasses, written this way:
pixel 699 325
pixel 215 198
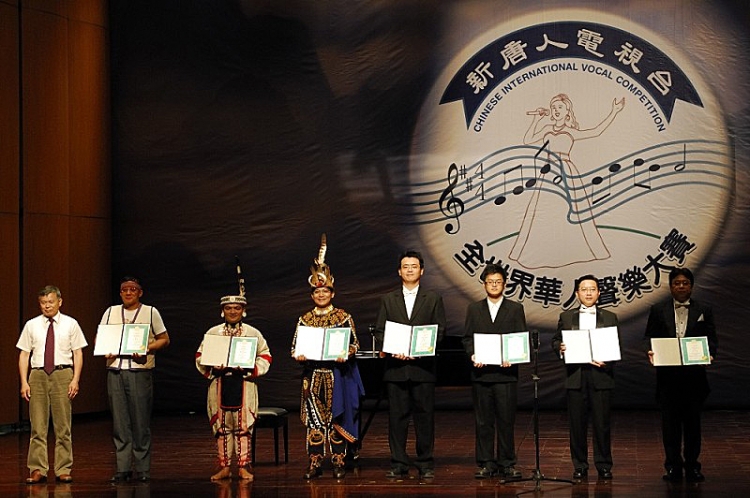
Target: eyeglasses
pixel 133 290
pixel 494 282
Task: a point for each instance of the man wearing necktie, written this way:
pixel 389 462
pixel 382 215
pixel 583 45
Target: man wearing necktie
pixel 681 390
pixel 410 381
pixel 52 342
pixel 589 386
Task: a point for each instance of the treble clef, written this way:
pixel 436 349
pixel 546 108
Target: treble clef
pixel 451 206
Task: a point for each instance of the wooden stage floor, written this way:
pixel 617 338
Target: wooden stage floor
pixel 183 460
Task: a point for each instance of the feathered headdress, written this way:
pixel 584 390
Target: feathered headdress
pixel 320 273
pixel 239 298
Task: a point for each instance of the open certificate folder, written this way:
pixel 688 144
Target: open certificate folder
pixel 406 340
pixel 585 346
pixel 496 349
pixel 119 339
pixel 229 351
pixel 671 351
pixel 315 343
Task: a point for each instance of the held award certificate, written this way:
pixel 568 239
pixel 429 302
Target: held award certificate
pixel 316 343
pixel 228 351
pixel 406 340
pixel 585 346
pixel 496 349
pixel 119 339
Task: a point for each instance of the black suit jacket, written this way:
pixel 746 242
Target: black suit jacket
pixel 428 310
pixel 602 377
pixel 684 380
pixel 510 318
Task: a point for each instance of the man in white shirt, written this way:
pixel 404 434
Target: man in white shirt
pixel 130 384
pixel 51 344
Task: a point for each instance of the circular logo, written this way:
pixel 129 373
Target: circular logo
pixel 583 145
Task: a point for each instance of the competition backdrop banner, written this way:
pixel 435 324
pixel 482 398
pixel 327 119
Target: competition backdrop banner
pixel 551 139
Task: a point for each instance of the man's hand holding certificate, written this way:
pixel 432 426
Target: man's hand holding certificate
pixel 407 342
pixel 595 346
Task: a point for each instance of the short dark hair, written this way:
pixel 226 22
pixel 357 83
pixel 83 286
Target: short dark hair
pixel 131 278
pixel 411 254
pixel 587 277
pixel 685 272
pixel 491 269
pixel 50 289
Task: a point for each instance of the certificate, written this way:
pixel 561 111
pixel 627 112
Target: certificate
pixel 135 338
pixel 423 340
pixel 496 349
pixel 321 344
pixel 119 339
pixel 108 339
pixel 228 351
pixel 405 340
pixel 671 351
pixel 585 346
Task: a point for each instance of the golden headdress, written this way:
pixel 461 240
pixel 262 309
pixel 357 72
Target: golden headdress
pixel 320 273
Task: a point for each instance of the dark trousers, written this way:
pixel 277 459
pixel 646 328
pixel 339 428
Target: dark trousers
pixel 597 403
pixel 681 418
pixel 495 416
pixel 131 397
pixel 411 400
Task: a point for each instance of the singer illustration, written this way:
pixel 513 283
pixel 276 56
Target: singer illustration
pixel 546 217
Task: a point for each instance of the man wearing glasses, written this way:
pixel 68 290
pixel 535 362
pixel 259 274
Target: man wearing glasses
pixel 494 387
pixel 589 386
pixel 681 390
pixel 130 384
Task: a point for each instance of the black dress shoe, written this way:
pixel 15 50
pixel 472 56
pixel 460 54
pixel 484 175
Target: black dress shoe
pixel 427 474
pixel 484 473
pixel 142 476
pixel 605 474
pixel 339 472
pixel 512 473
pixel 396 473
pixel 672 475
pixel 580 473
pixel 694 475
pixel 312 472
pixel 121 477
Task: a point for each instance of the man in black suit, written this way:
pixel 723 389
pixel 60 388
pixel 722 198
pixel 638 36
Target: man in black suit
pixel 589 386
pixel 681 391
pixel 494 387
pixel 410 381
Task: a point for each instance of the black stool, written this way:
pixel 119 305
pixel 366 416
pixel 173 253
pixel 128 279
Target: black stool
pixel 270 417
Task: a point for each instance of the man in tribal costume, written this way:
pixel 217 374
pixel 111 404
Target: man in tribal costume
pixel 232 395
pixel 331 390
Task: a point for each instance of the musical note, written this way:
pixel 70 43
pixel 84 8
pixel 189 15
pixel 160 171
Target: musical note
pixel 598 180
pixel 451 206
pixel 653 168
pixel 518 189
pixel 681 166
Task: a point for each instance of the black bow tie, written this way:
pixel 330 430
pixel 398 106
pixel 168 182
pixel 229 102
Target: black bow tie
pixel 681 305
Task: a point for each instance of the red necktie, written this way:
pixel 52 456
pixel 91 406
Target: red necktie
pixel 49 349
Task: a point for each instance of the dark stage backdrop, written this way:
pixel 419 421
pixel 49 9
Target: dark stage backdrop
pixel 250 128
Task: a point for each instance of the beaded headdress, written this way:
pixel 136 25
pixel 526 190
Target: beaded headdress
pixel 239 298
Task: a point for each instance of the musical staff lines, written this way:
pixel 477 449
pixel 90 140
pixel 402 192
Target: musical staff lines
pixel 507 175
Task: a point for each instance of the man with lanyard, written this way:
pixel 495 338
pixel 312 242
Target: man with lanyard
pixel 589 386
pixel 130 384
pixel 54 342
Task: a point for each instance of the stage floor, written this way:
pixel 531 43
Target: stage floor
pixel 183 459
